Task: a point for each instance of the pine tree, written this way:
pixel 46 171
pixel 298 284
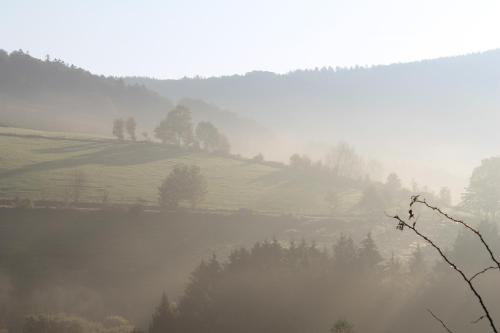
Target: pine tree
pixel 345 254
pixel 369 255
pixel 164 318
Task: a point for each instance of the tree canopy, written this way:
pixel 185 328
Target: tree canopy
pixel 210 138
pixel 176 128
pixel 482 196
pixel 184 183
pixel 118 129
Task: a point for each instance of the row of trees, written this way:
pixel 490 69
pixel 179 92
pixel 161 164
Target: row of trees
pixel 177 129
pixel 341 162
pixel 278 288
pixel 122 127
pixel 391 193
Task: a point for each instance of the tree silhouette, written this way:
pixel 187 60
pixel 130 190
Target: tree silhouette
pixel 164 317
pixel 176 128
pixel 410 223
pixel 482 196
pixel 130 127
pixel 208 135
pixel 342 326
pixel 210 138
pixel 184 183
pixel 118 129
pixel 369 255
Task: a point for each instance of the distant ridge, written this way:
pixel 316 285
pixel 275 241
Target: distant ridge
pixel 341 101
pixel 55 96
pixel 52 95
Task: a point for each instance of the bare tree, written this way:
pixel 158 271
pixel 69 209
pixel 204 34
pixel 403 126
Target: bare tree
pixel 344 161
pixel 410 223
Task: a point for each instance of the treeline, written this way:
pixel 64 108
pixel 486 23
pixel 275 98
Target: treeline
pixel 343 169
pixel 177 129
pixel 297 288
pixel 278 286
pixel 300 287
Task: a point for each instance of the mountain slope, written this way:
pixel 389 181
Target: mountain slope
pixel 351 99
pixel 52 95
pixel 432 121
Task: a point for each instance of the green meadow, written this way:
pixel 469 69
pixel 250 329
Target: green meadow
pixel 41 165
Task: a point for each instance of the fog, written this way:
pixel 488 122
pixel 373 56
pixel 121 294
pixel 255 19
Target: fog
pixel 207 187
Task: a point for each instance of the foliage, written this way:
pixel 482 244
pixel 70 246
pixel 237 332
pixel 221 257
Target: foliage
pixel 342 326
pixel 259 158
pixel 393 188
pixel 468 279
pixel 184 183
pixel 275 288
pixel 128 170
pixel 482 196
pixel 176 128
pixel 300 162
pixel 163 319
pixel 118 129
pixel 68 98
pixel 369 256
pixel 210 138
pixel 130 126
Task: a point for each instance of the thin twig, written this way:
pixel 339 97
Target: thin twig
pixel 477 320
pixel 483 271
pixel 416 199
pixel 402 224
pixel 440 321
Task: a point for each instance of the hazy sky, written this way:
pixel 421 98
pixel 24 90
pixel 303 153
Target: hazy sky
pixel 171 39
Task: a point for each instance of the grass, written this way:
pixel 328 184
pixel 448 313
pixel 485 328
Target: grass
pixel 39 165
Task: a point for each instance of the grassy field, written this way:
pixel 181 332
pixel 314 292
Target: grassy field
pixel 40 165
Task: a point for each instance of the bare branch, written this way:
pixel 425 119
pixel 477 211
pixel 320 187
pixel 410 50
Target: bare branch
pixel 477 320
pixel 416 199
pixel 402 224
pixel 483 271
pixel 440 321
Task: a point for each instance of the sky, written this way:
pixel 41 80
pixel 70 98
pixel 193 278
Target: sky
pixel 173 39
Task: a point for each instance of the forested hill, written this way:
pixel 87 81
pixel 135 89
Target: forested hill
pixel 455 93
pixel 53 95
pixel 431 120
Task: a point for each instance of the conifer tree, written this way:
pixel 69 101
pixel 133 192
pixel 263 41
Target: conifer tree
pixel 164 318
